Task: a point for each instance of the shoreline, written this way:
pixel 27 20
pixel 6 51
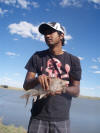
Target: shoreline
pixel 22 89
pixel 9 128
pixel 11 88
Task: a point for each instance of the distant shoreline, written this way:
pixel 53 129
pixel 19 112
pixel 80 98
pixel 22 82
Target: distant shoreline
pixel 11 88
pixel 21 89
pixel 90 97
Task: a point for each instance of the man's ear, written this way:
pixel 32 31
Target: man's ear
pixel 61 36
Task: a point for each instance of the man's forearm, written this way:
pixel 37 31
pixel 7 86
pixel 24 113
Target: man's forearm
pixel 31 83
pixel 73 90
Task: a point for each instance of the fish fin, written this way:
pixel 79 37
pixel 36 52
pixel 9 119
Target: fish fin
pixel 26 96
pixel 35 98
pixel 43 95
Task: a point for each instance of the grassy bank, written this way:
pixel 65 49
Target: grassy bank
pixel 16 88
pixel 11 129
pixel 90 97
pixel 11 88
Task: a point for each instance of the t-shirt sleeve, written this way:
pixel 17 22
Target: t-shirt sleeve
pixel 75 68
pixel 31 65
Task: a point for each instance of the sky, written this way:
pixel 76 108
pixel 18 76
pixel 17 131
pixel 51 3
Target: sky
pixel 19 37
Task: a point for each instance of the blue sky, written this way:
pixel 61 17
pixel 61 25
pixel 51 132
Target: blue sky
pixel 19 37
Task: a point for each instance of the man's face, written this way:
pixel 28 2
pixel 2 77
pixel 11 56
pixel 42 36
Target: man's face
pixel 52 37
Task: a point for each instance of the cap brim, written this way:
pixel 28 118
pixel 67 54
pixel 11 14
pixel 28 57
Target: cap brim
pixel 44 27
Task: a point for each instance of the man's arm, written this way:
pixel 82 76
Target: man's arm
pixel 74 90
pixel 30 81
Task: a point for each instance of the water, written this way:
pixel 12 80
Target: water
pixel 84 114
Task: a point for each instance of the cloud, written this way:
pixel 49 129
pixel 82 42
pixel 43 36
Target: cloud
pixel 96 59
pixel 11 54
pixel 2 12
pixel 81 58
pixel 8 2
pixel 15 39
pixel 16 74
pixel 95 1
pixel 26 30
pixel 67 37
pixel 86 88
pixel 35 4
pixel 97 72
pixel 20 3
pixel 98 87
pixel 94 67
pixel 75 3
pixel 10 82
pixel 23 3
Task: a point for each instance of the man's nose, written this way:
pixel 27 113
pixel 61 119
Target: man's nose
pixel 47 35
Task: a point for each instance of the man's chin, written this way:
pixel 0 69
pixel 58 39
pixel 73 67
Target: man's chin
pixel 51 45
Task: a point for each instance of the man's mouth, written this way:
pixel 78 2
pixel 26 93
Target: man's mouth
pixel 48 40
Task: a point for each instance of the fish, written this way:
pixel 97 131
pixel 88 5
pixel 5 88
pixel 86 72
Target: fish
pixel 55 84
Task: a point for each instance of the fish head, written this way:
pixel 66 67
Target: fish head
pixel 57 84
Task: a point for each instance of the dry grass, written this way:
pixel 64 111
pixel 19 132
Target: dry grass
pixel 11 129
pixel 90 97
pixel 11 88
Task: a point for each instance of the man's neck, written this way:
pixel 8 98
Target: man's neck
pixel 56 50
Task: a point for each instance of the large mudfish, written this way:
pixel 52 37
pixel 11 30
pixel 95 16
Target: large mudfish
pixel 55 84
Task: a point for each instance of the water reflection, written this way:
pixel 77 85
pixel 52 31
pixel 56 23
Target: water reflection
pixel 85 114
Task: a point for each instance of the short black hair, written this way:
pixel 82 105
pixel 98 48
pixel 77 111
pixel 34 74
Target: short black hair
pixel 63 40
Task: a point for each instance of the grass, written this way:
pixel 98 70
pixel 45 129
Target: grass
pixel 11 88
pixel 90 97
pixel 81 96
pixel 11 129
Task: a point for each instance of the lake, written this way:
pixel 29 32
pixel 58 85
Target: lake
pixel 84 114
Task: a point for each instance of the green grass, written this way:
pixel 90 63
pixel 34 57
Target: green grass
pixel 11 129
pixel 11 88
pixel 90 97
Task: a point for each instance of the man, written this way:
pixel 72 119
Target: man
pixel 51 114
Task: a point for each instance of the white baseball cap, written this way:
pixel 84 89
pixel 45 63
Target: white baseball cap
pixel 54 25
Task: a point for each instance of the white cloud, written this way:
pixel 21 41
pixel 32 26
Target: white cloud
pixel 68 37
pixel 35 4
pixel 26 30
pixel 94 67
pixel 81 58
pixel 75 3
pixel 86 88
pixel 97 72
pixel 20 3
pixel 16 74
pixel 8 2
pixel 98 87
pixel 96 59
pixel 2 12
pixel 11 54
pixel 15 39
pixel 95 1
pixel 10 82
pixel 23 3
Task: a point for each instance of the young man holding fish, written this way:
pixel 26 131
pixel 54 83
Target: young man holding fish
pixel 50 114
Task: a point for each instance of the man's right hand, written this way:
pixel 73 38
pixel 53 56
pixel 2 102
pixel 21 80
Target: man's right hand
pixel 44 81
